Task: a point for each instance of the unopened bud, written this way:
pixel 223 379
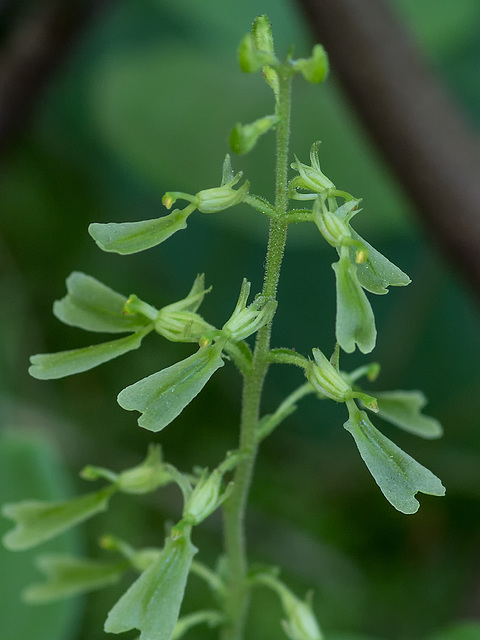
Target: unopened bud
pixel 326 379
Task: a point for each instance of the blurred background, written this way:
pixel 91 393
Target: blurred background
pixel 140 99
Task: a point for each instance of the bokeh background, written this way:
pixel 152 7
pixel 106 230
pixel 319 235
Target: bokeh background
pixel 144 103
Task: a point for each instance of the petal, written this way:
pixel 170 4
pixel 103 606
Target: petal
pixel 162 396
pixel 70 576
pixel 47 366
pixel 377 273
pixel 152 603
pixel 355 322
pixel 403 409
pixel 37 521
pixel 93 306
pixel 131 237
pixel 398 475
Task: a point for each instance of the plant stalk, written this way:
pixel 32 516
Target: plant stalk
pixel 237 588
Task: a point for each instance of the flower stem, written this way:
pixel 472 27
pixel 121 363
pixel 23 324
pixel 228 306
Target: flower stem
pixel 237 593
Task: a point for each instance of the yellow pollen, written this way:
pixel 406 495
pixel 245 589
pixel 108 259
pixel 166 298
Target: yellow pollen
pixel 361 256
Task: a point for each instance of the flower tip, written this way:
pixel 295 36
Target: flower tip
pixel 168 201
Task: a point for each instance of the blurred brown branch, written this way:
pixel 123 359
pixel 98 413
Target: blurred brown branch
pixel 31 53
pixel 420 132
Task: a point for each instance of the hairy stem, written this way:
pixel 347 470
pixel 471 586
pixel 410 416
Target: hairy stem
pixel 237 596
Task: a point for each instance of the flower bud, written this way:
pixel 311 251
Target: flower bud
pixel 212 200
pixel 301 623
pixel 220 198
pixel 315 68
pixel 335 231
pixel 205 497
pixel 311 177
pixel 181 326
pixel 244 137
pixel 250 58
pixel 247 320
pixel 147 476
pixel 326 379
pixel 262 34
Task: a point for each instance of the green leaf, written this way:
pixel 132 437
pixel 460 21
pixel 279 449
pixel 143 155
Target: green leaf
pixel 398 475
pixel 162 396
pixel 38 521
pixel 47 366
pixel 93 306
pixel 70 576
pixel 377 273
pixel 355 322
pixel 403 409
pixel 152 603
pixel 131 237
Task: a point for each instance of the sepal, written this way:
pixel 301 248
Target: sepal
pixel 38 521
pixel 397 474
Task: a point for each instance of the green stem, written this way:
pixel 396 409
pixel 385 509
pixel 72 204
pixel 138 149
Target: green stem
pixel 237 589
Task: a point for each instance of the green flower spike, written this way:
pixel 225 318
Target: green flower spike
pixel 311 177
pixel 216 199
pixel 398 475
pixel 38 521
pixel 152 603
